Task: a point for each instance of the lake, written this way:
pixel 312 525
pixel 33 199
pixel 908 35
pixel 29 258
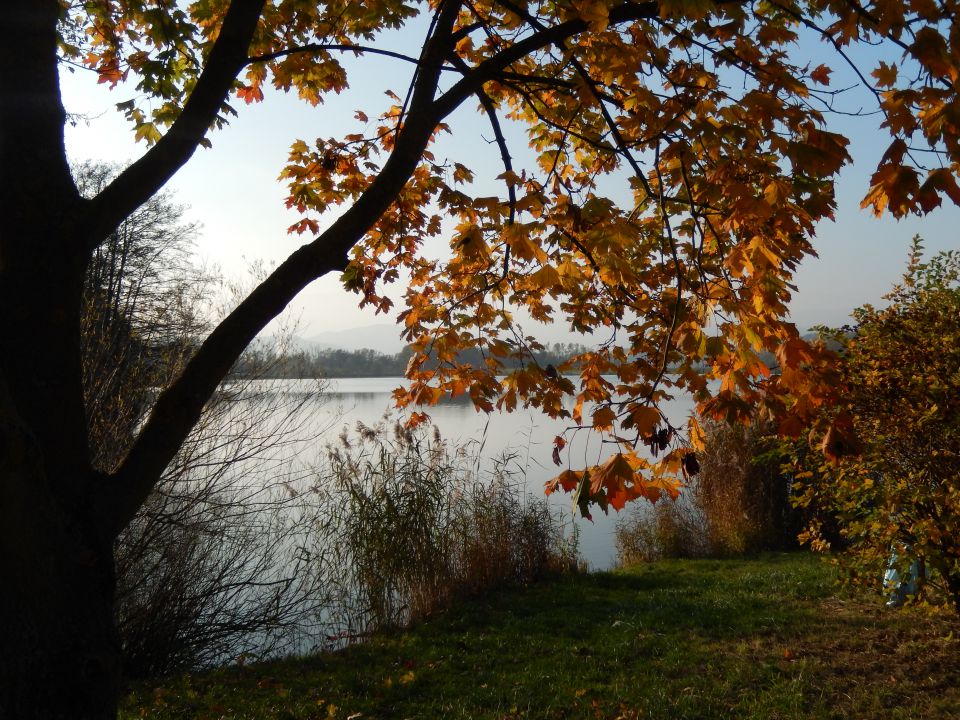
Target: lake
pixel 526 433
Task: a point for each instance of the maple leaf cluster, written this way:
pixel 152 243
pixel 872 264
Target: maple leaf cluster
pixel 679 159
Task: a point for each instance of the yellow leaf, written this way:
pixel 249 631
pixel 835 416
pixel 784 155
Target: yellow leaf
pixel 577 413
pixel 686 9
pixel 821 75
pixel 696 435
pixel 546 277
pixel 886 75
pixel 148 132
pixel 777 191
pixel 595 13
pixel 758 244
pixel 644 418
pixel 611 475
pixel 517 236
pixel 566 481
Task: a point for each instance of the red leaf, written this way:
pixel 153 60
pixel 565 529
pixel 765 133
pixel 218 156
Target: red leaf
pixel 821 75
pixel 566 481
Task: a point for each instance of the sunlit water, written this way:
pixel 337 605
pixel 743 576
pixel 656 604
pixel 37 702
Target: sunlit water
pixel 527 434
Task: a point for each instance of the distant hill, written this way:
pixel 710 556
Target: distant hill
pixel 378 351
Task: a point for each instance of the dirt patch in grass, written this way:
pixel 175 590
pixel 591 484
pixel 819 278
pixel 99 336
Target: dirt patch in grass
pixel 871 659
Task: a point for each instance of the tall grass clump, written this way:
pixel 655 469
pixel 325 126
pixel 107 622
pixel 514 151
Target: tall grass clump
pixel 743 491
pixel 415 525
pixel 738 504
pixel 668 529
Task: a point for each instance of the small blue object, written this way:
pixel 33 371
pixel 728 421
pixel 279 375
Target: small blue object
pixel 898 588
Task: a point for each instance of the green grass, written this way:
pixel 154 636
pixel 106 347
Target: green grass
pixel 755 638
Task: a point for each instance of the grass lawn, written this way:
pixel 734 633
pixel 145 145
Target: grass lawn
pixel 747 638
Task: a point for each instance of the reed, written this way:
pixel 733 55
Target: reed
pixel 415 524
pixel 738 504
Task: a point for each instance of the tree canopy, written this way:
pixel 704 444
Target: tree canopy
pixel 682 156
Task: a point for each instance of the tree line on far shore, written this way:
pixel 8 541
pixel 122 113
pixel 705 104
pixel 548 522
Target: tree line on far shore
pixel 340 363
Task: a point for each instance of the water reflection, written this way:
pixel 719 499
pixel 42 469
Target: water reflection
pixel 527 435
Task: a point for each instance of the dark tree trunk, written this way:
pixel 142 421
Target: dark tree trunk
pixel 60 652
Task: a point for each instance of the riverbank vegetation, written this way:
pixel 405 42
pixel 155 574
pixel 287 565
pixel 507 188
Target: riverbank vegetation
pixel 410 523
pixel 888 482
pixel 247 555
pixel 738 503
pixel 765 637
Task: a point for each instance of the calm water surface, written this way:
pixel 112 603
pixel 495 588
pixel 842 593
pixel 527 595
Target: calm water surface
pixel 525 433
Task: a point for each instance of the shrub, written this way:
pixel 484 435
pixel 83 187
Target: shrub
pixel 738 503
pixel 742 490
pixel 216 566
pixel 670 529
pixel 212 565
pixel 899 499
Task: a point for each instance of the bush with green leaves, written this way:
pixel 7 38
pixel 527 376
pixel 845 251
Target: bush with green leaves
pixel 898 500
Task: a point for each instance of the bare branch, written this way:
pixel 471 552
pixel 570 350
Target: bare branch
pixel 319 47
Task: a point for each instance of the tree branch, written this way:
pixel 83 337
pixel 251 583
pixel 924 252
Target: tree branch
pixel 178 408
pixel 316 47
pixel 146 176
pixel 491 69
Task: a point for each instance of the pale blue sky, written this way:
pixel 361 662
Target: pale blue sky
pixel 233 192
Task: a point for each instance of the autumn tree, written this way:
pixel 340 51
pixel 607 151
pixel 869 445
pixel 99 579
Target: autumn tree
pixel 680 159
pixel 898 501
